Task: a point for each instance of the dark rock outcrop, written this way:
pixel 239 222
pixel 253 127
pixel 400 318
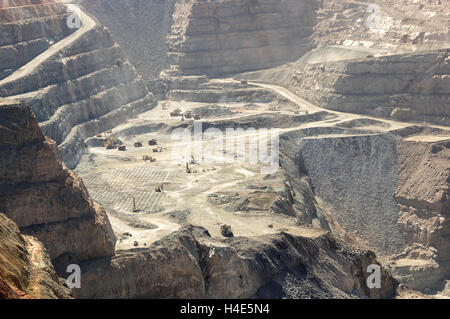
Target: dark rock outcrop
pixel 190 264
pixel 42 196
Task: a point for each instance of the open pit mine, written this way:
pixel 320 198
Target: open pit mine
pixel 225 149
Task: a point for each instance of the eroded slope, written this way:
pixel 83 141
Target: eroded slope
pixel 42 196
pixel 25 268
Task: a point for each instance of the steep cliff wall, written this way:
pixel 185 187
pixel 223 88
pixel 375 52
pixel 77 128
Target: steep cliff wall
pixel 211 37
pixel 42 197
pixel 216 37
pixel 385 192
pixel 25 268
pixel 27 29
pixel 140 27
pixel 423 191
pixel 190 264
pixel 225 36
pixel 80 90
pixel 423 195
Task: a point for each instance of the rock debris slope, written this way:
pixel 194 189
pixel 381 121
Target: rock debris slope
pixel 141 28
pixel 406 87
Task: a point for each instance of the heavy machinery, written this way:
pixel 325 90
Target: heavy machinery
pixel 149 158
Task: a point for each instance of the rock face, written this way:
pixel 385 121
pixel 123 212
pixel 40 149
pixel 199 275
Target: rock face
pixel 381 191
pixel 406 87
pixel 383 24
pixel 224 36
pixel 83 89
pixel 28 30
pixel 398 86
pixel 25 268
pixel 141 28
pixel 190 264
pixel 211 37
pixel 44 198
pixel 424 200
pixel 358 175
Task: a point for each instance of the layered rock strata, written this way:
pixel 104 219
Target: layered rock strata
pixel 27 29
pixel 190 264
pixel 400 26
pixel 228 36
pixel 43 197
pixel 83 89
pixel 25 268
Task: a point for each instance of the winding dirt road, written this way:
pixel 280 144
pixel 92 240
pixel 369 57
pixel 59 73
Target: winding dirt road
pixel 87 24
pixel 341 116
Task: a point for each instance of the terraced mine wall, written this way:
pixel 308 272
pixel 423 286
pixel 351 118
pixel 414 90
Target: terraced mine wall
pixel 219 37
pixel 380 191
pixel 225 36
pixel 190 264
pixel 28 31
pixel 211 37
pixel 141 28
pixel 45 199
pixel 49 202
pixel 84 89
pixel 25 268
pixel 407 87
pixel 404 26
pixel 215 93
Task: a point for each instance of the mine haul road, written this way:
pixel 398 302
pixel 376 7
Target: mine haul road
pixel 87 24
pixel 165 227
pixel 341 116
